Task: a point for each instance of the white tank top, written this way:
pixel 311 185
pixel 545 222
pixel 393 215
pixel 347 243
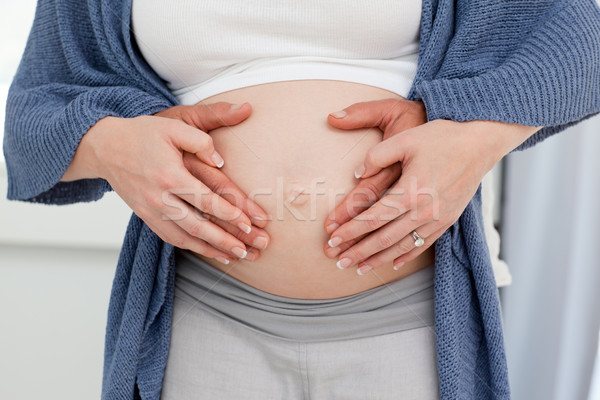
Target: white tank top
pixel 202 48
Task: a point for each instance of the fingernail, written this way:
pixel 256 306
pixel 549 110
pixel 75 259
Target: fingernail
pixel 222 260
pixel 343 263
pixel 257 213
pixel 338 114
pixel 364 269
pixel 264 217
pixel 244 227
pixel 398 266
pixel 252 255
pixel 217 159
pixel 261 222
pixel 331 227
pixel 332 252
pixel 335 242
pixel 239 252
pixel 359 171
pixel 236 106
pixel 260 243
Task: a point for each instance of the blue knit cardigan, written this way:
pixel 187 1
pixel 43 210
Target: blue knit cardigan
pixel 529 62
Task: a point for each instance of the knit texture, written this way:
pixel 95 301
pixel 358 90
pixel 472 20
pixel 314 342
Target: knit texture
pixel 530 62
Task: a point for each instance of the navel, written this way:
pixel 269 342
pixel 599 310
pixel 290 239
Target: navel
pixel 296 194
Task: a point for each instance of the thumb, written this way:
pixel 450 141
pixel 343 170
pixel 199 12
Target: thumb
pixel 367 114
pixel 382 155
pixel 200 144
pixel 207 117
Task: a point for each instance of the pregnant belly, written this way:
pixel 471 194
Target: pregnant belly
pixel 297 167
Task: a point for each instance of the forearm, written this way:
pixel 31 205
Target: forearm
pixel 499 137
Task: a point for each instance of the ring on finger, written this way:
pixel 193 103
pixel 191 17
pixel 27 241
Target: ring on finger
pixel 419 241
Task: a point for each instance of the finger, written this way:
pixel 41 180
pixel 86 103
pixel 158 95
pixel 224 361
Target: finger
pixel 377 113
pixel 207 117
pixel 173 234
pixel 192 222
pixel 412 116
pixel 253 254
pixel 414 253
pixel 257 238
pixel 391 235
pixel 197 194
pixel 184 240
pixel 363 196
pixel 382 155
pixel 403 246
pixel 220 184
pixel 197 143
pixel 392 205
pixel 332 252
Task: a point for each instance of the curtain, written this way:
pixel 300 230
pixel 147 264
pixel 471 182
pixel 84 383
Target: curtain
pixel 551 242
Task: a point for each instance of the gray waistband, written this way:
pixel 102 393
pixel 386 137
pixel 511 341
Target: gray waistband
pixel 400 305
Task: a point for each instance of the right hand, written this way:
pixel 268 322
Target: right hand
pixel 142 159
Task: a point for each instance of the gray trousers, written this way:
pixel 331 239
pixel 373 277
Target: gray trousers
pixel 218 352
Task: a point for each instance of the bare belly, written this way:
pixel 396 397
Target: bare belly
pixel 297 167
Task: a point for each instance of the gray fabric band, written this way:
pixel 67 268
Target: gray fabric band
pixel 397 306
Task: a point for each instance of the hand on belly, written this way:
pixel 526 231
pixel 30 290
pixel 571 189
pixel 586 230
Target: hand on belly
pixel 297 167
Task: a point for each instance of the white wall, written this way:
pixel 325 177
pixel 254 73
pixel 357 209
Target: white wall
pixel 595 388
pixel 56 269
pixel 550 241
pixel 53 304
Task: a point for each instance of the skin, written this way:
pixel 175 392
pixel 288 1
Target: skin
pixel 148 160
pixel 285 145
pixel 433 190
pixel 177 150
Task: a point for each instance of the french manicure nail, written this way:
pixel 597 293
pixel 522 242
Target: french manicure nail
pixel 335 241
pixel 262 217
pixel 338 114
pixel 244 227
pixel 239 252
pixel 343 263
pixel 398 266
pixel 236 106
pixel 364 269
pixel 258 220
pixel 222 260
pixel 257 213
pixel 333 251
pixel 252 255
pixel 359 171
pixel 217 159
pixel 260 243
pixel 331 227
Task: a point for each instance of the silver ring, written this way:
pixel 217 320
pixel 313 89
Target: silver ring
pixel 419 241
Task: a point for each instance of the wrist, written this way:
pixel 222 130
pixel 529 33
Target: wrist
pixel 500 138
pixel 510 136
pixel 87 161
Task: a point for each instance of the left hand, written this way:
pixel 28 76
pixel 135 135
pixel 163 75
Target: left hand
pixel 392 116
pixel 443 163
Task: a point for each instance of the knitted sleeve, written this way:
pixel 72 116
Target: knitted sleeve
pixel 509 62
pixel 68 79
